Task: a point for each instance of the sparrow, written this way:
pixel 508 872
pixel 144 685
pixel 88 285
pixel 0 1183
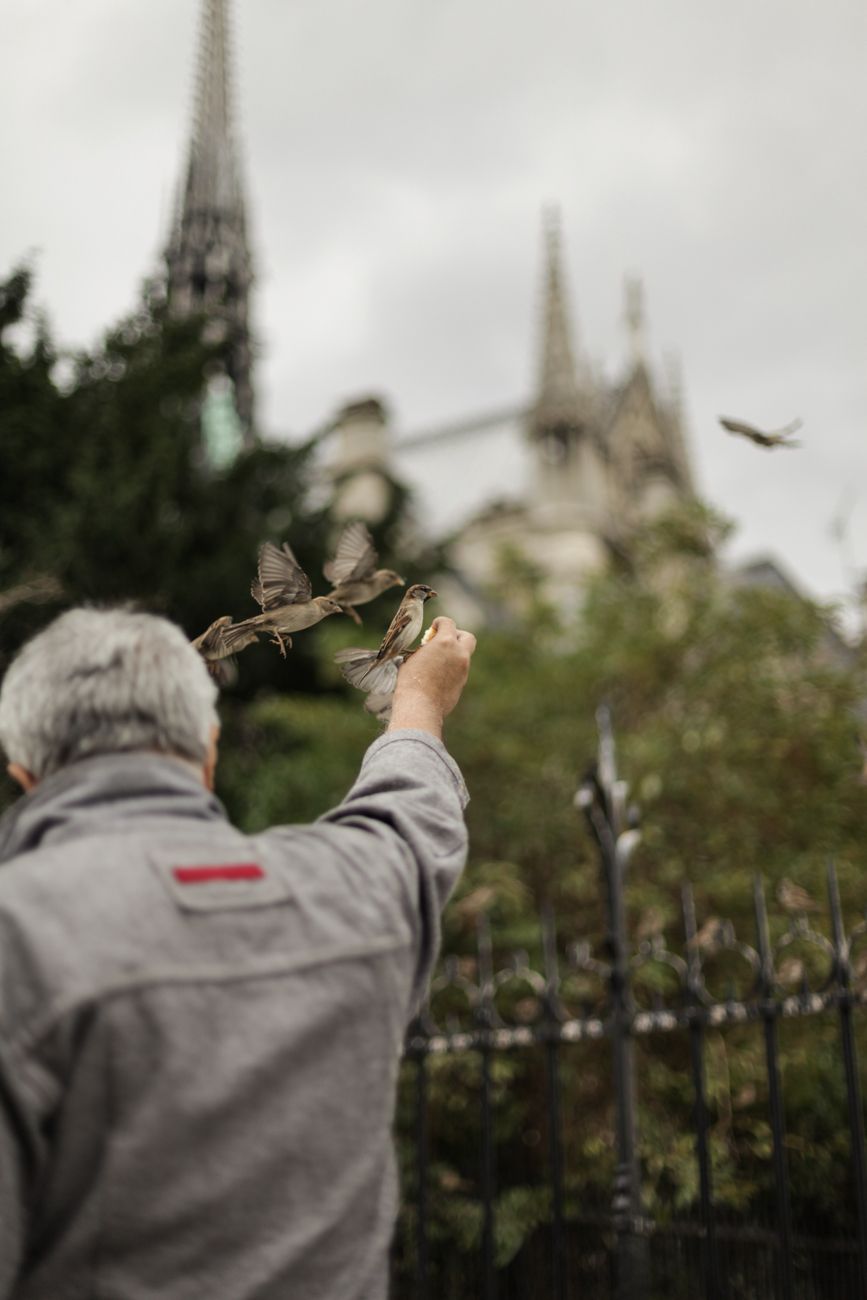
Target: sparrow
pixel 379 703
pixel 650 924
pixel 779 438
pixel 353 572
pixel 285 593
pixel 794 898
pixel 375 671
pixel 790 971
pixel 218 643
pixel 713 936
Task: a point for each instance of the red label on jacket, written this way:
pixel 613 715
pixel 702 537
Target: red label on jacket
pixel 229 871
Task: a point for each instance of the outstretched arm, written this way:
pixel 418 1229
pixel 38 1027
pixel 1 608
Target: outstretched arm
pixel 402 822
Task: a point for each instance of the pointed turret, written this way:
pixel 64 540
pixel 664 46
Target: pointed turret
pixel 208 258
pixel 557 409
pixel 633 315
pixel 569 474
pixel 648 463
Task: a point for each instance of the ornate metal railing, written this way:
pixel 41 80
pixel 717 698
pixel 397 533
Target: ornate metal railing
pixel 828 977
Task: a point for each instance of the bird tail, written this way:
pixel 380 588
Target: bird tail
pixel 364 669
pixel 379 705
pixel 237 636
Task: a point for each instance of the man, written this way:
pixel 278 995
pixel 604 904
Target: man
pixel 200 1030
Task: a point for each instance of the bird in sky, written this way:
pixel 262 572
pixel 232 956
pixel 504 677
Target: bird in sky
pixel 219 643
pixel 353 573
pixel 375 671
pixel 285 593
pixel 777 438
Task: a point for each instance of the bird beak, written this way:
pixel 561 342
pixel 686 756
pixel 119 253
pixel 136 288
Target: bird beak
pixel 401 582
pixel 430 595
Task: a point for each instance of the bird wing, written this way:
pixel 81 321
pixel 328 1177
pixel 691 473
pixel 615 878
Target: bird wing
pixel 281 580
pixel 354 558
pixel 364 669
pixel 396 628
pixel 211 641
pixel 379 704
pixel 741 426
pixel 777 439
pixel 239 635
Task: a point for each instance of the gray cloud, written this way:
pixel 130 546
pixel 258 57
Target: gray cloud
pixel 398 157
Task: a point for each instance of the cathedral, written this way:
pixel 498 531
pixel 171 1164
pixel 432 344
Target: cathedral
pixel 562 481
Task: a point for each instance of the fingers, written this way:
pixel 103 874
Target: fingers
pixel 447 629
pixel 466 641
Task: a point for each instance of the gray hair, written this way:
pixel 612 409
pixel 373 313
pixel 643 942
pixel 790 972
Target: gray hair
pixel 101 681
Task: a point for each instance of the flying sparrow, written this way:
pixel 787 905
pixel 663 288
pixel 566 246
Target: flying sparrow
pixel 285 593
pixel 353 572
pixel 779 438
pixel 218 643
pixel 375 671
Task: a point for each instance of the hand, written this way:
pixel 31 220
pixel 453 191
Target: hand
pixel 430 682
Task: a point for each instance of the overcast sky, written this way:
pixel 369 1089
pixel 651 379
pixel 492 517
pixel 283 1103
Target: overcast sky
pixel 398 155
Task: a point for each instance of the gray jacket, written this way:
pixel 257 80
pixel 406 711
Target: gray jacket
pixel 200 1030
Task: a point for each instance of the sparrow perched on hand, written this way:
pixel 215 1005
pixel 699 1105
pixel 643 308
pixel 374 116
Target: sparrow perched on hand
pixel 286 595
pixel 353 572
pixel 218 643
pixel 375 671
pixel 779 438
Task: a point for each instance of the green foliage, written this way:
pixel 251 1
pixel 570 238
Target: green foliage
pixel 736 713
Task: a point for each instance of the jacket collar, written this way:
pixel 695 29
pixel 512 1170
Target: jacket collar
pixel 102 795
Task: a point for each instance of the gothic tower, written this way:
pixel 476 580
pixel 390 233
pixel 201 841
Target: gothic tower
pixel 604 459
pixel 208 258
pixel 570 478
pixel 649 466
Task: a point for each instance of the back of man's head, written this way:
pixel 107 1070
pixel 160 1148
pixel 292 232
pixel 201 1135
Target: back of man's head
pixel 104 681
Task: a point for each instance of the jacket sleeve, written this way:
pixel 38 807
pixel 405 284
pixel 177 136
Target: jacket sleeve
pixel 11 1200
pixel 405 811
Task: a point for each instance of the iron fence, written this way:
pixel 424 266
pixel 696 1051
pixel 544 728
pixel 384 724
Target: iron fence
pixel 617 1251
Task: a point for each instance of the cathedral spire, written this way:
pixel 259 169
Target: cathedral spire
pixel 208 257
pixel 633 315
pixel 557 402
